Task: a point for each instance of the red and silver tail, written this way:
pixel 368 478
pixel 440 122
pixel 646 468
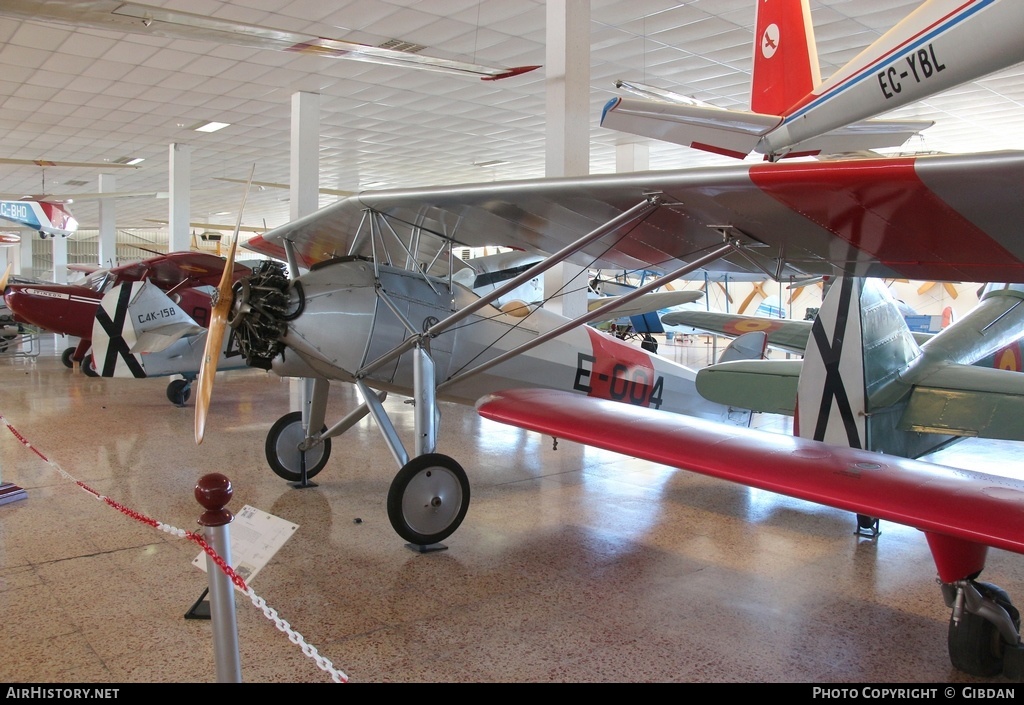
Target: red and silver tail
pixel 785 56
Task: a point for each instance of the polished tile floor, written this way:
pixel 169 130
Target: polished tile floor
pixel 572 565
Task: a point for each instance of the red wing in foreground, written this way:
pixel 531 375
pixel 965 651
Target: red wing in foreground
pixel 963 506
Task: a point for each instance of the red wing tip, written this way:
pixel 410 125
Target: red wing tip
pixel 511 72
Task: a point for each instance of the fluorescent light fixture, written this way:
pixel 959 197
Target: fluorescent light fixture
pixel 135 160
pixel 493 162
pixel 210 126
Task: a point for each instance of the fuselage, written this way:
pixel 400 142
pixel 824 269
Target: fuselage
pixel 47 218
pixel 345 325
pixel 942 44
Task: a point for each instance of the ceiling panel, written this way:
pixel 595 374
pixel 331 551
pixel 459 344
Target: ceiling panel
pixel 95 95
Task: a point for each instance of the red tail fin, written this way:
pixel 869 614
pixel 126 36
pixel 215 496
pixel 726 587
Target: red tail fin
pixel 785 56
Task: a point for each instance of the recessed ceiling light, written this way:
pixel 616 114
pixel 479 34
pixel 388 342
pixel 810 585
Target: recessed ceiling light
pixel 128 161
pixel 210 126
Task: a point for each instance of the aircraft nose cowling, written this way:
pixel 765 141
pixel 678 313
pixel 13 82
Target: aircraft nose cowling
pixel 58 309
pixel 260 312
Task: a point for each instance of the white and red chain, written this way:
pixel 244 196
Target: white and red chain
pixel 271 614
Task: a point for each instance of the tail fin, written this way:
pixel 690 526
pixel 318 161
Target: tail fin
pixel 785 56
pixel 849 393
pixel 132 319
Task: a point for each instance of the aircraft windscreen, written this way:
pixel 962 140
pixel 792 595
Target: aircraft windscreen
pixel 99 281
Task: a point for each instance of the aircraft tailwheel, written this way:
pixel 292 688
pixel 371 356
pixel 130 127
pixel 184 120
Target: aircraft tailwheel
pixel 179 391
pixel 88 368
pixel 282 449
pixel 66 358
pixel 975 644
pixel 428 499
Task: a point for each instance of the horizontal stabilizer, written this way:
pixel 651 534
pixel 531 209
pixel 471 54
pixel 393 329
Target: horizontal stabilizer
pixel 162 337
pixel 767 386
pixel 135 318
pixel 965 400
pixel 733 133
pixel 863 136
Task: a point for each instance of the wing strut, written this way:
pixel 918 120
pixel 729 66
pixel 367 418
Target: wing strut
pixel 601 312
pixel 639 210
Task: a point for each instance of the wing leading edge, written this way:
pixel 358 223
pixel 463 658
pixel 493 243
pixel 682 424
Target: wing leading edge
pixel 936 218
pixel 958 505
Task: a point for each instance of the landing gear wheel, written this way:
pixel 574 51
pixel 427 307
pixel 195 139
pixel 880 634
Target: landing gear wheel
pixel 282 449
pixel 975 645
pixel 66 358
pixel 428 499
pixel 88 368
pixel 179 390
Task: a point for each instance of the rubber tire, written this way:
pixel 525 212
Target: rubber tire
pixel 67 359
pixel 975 645
pixel 415 491
pixel 179 391
pixel 284 437
pixel 87 367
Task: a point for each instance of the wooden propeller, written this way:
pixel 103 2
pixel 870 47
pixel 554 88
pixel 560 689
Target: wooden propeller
pixel 754 291
pixel 949 288
pixel 218 321
pixel 7 275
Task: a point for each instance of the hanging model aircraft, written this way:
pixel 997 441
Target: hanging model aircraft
pixel 377 308
pixel 113 15
pixel 793 113
pixel 48 218
pixel 72 309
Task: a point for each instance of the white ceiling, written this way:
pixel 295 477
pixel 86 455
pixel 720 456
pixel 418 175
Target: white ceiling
pixel 70 94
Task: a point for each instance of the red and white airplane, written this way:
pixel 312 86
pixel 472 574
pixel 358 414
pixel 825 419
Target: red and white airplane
pixel 942 44
pixel 48 218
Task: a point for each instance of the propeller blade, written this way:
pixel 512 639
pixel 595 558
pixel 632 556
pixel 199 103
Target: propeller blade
pixel 7 275
pixel 218 321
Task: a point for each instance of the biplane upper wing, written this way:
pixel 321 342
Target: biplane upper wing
pixel 963 505
pixel 939 218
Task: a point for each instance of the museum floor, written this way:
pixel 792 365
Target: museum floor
pixel 572 565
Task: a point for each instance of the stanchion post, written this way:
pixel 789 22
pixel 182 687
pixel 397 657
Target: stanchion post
pixel 213 492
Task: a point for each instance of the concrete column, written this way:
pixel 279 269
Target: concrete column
pixel 632 157
pixel 305 154
pixel 305 190
pixel 567 67
pixel 108 231
pixel 60 260
pixel 25 255
pixel 180 178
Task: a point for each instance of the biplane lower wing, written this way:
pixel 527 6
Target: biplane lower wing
pixel 954 507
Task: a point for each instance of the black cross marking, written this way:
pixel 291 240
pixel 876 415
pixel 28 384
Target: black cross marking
pixel 833 387
pixel 114 328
